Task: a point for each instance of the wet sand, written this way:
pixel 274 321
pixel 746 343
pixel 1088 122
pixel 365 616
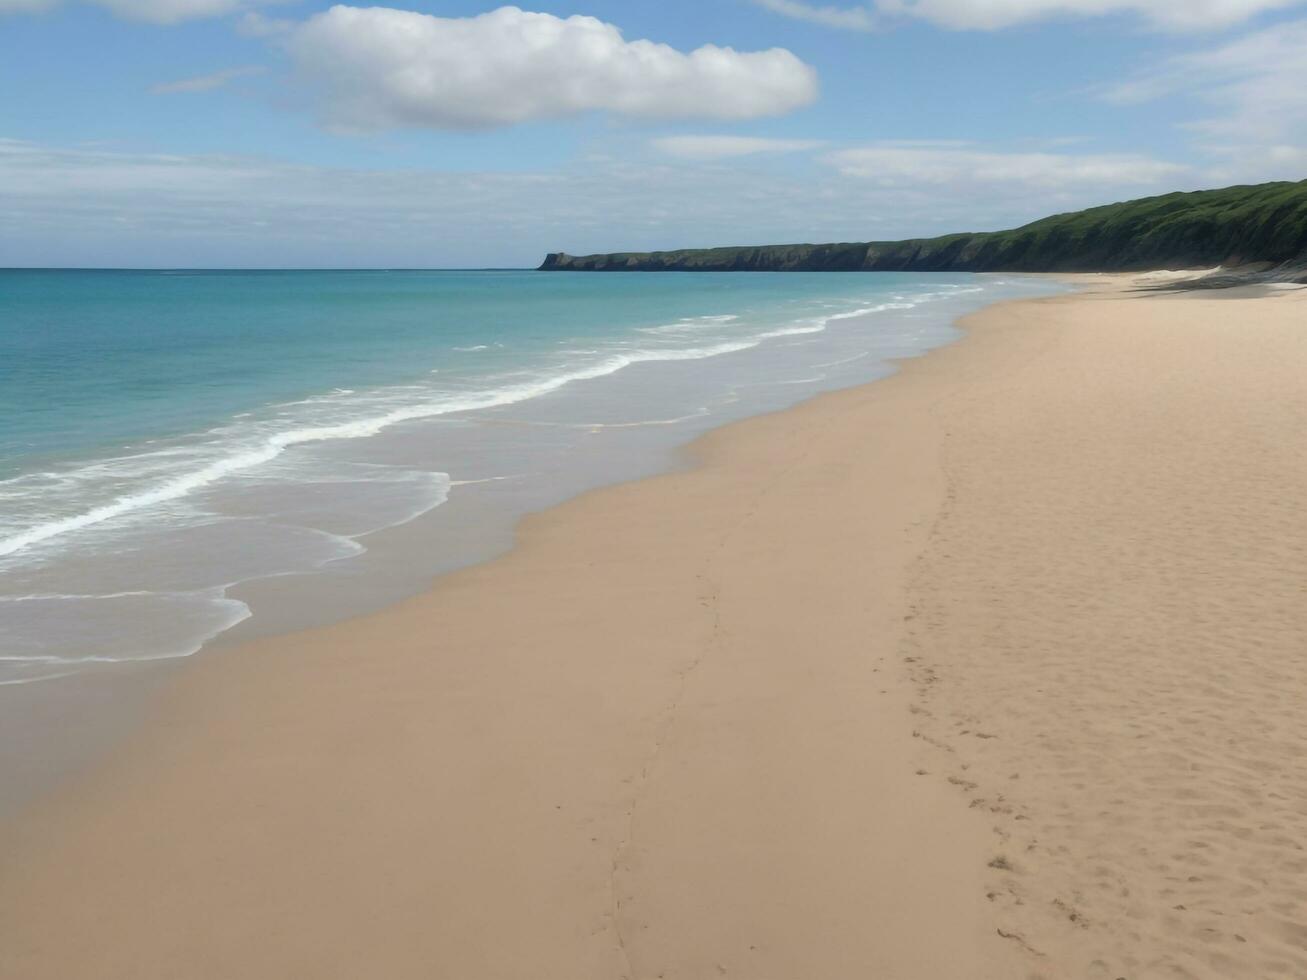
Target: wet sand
pixel 993 669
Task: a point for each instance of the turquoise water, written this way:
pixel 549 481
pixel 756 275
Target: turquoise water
pixel 170 435
pixel 95 360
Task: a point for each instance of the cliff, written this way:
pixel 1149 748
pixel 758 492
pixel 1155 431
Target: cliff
pixel 1262 223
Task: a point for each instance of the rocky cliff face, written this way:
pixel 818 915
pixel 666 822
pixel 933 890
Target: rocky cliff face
pixel 1265 223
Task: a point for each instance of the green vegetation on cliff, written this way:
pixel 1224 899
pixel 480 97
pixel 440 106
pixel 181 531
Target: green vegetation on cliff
pixel 1263 223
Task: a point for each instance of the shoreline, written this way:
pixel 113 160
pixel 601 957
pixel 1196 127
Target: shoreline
pixel 62 725
pixel 425 412
pixel 615 751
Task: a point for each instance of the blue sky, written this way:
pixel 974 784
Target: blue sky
pixel 239 133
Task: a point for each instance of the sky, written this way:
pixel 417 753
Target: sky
pixel 456 134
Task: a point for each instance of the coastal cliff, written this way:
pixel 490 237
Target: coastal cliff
pixel 1258 224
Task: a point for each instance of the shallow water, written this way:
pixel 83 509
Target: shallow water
pixel 178 445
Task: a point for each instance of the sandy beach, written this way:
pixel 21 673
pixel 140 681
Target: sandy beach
pixel 994 669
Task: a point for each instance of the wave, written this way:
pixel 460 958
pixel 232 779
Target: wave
pixel 844 360
pixel 176 498
pixel 691 324
pixel 274 445
pixel 235 449
pixel 195 618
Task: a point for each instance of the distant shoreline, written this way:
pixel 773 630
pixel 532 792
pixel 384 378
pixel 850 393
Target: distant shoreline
pixel 1261 229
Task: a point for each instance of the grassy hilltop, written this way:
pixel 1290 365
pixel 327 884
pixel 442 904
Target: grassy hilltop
pixel 1262 223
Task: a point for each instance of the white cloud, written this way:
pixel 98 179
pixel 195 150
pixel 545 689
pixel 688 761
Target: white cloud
pixel 860 18
pixel 724 147
pixel 378 67
pixel 1183 15
pixel 94 207
pixel 964 169
pixel 1254 87
pixel 205 83
pixel 1258 84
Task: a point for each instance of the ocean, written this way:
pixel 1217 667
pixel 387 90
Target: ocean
pixel 171 440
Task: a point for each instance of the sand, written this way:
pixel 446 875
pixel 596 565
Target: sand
pixel 995 669
pixel 1109 633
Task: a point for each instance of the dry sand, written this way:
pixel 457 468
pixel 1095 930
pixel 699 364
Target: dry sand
pixel 672 734
pixel 1109 631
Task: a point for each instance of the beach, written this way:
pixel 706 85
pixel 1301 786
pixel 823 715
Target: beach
pixel 991 669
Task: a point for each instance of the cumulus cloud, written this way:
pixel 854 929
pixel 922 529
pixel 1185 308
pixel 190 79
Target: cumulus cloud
pixel 959 168
pixel 205 83
pixel 377 68
pixel 1185 15
pixel 724 147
